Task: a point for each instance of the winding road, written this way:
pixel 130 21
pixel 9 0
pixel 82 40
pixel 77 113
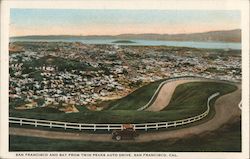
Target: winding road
pixel 165 94
pixel 226 108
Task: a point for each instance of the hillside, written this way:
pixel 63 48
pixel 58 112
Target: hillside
pixel 219 36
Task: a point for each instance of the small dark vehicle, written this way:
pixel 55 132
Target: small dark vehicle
pixel 127 132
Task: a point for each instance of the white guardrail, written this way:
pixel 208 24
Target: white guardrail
pixel 171 80
pixel 82 126
pixel 240 105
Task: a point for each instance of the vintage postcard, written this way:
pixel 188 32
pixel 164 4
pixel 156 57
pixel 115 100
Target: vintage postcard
pixel 125 79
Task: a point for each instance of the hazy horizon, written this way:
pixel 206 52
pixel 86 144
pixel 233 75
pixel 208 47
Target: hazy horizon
pixel 76 22
pixel 124 33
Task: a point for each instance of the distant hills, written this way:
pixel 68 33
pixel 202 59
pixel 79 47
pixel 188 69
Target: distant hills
pixel 219 36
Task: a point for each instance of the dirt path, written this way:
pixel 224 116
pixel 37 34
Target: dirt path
pixel 165 94
pixel 226 108
pixel 59 135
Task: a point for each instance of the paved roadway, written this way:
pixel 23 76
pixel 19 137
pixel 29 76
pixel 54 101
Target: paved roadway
pixel 226 108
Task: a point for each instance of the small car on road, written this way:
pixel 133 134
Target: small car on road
pixel 127 133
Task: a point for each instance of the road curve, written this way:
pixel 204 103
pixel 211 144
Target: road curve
pixel 165 94
pixel 226 108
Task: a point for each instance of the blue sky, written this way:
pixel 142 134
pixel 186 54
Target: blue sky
pixel 112 22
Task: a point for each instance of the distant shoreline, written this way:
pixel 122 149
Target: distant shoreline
pixel 212 36
pixel 187 44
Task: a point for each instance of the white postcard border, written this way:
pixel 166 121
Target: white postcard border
pixel 243 6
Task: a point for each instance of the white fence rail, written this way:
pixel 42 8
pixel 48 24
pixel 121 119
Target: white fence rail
pixel 240 105
pixel 82 126
pixel 171 80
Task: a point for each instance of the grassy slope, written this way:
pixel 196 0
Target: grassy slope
pixel 187 97
pixel 227 139
pixel 191 104
pixel 136 99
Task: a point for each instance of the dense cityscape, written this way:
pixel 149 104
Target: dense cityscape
pixel 65 74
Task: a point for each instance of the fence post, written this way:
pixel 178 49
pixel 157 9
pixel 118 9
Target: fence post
pixel 95 127
pixel 190 120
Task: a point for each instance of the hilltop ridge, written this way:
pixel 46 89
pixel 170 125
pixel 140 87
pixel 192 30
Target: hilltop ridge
pixel 219 36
